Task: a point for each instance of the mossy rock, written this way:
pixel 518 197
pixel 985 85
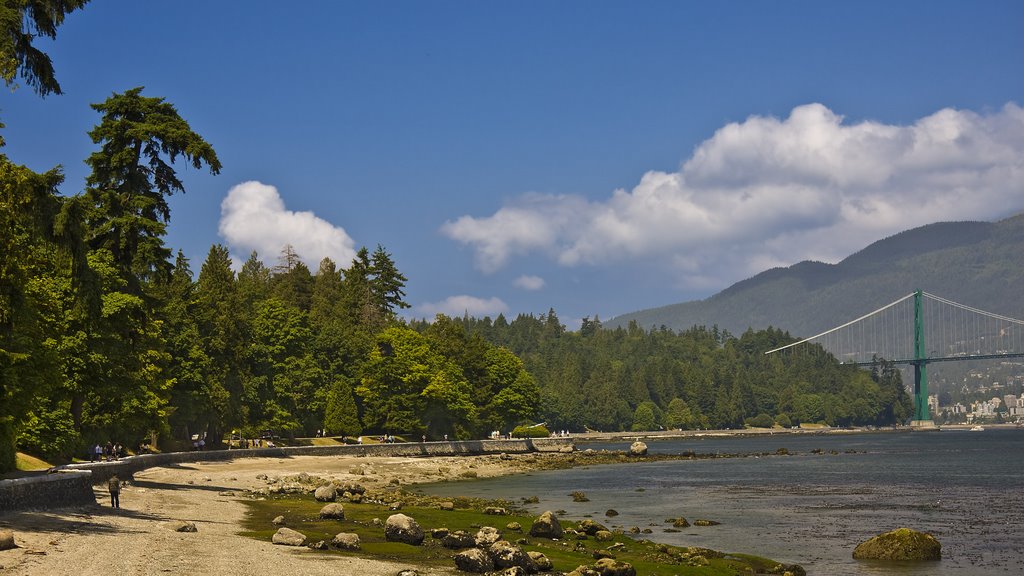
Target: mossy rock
pixel 900 544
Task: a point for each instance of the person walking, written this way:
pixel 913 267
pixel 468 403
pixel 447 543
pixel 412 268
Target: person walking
pixel 114 486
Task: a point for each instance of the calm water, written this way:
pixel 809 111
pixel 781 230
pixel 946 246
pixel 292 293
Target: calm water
pixel 965 488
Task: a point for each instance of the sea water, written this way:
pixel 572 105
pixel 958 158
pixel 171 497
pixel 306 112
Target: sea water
pixel 813 506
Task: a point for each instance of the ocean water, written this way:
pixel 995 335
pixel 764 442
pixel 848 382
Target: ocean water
pixel 814 506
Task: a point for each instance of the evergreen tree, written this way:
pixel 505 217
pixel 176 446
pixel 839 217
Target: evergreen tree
pixel 340 416
pixel 21 22
pixel 219 395
pixel 387 284
pixel 132 176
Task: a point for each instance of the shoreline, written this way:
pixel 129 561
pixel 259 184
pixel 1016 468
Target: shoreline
pixel 138 538
pixel 810 431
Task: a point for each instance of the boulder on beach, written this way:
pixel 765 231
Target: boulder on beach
pixel 900 544
pixel 183 526
pixel 289 537
pixel 345 541
pixel 333 511
pixel 638 448
pixel 612 567
pixel 583 571
pixel 474 560
pixel 402 528
pixel 353 488
pixel 486 536
pixel 546 526
pixel 590 527
pixel 327 493
pixel 506 555
pixel 542 562
pixel 510 571
pixel 7 540
pixel 457 540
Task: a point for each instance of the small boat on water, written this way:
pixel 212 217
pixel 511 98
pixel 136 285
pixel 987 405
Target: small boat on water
pixel 977 429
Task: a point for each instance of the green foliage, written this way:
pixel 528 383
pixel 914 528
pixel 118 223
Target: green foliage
pixel 132 176
pixel 762 420
pixel 340 415
pixel 21 22
pixel 679 416
pixel 530 432
pixel 8 451
pixel 49 431
pixel 644 418
pixel 41 258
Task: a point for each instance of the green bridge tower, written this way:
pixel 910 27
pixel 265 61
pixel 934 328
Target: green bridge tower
pixel 922 416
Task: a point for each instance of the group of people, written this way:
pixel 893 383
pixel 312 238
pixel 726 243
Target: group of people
pixel 107 452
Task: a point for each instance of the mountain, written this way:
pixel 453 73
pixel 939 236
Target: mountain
pixel 980 264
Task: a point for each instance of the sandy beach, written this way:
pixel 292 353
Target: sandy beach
pixel 137 538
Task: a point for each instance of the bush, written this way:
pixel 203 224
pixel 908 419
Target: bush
pixel 530 432
pixel 50 434
pixel 762 420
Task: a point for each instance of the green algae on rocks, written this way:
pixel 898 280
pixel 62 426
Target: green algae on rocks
pixel 366 519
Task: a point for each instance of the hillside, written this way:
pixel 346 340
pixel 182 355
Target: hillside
pixel 976 263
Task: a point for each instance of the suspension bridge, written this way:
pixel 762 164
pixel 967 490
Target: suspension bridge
pixel 919 329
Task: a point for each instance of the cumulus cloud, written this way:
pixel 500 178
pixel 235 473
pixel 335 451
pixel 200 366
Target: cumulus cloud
pixel 767 191
pixel 460 305
pixel 527 282
pixel 253 217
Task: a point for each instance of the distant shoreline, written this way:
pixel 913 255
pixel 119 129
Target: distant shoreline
pixel 823 430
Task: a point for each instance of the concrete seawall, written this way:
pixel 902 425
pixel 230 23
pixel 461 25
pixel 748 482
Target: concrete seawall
pixel 72 486
pixel 60 490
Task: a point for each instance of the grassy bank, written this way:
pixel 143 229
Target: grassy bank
pixel 366 519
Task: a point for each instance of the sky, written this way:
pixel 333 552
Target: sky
pixel 591 157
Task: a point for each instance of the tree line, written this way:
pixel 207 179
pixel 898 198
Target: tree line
pixel 635 379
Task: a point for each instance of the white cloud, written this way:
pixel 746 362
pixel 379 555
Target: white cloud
pixel 456 306
pixel 253 217
pixel 769 191
pixel 529 282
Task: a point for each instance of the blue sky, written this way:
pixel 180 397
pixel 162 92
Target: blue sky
pixel 592 157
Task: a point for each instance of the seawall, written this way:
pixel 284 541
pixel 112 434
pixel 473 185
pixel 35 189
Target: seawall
pixel 72 485
pixel 59 490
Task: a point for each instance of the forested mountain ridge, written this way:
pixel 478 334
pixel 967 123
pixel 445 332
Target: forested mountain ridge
pixel 980 264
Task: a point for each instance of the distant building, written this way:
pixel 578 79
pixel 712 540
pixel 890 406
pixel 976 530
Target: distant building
pixel 1010 401
pixel 985 408
pixel 1015 406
